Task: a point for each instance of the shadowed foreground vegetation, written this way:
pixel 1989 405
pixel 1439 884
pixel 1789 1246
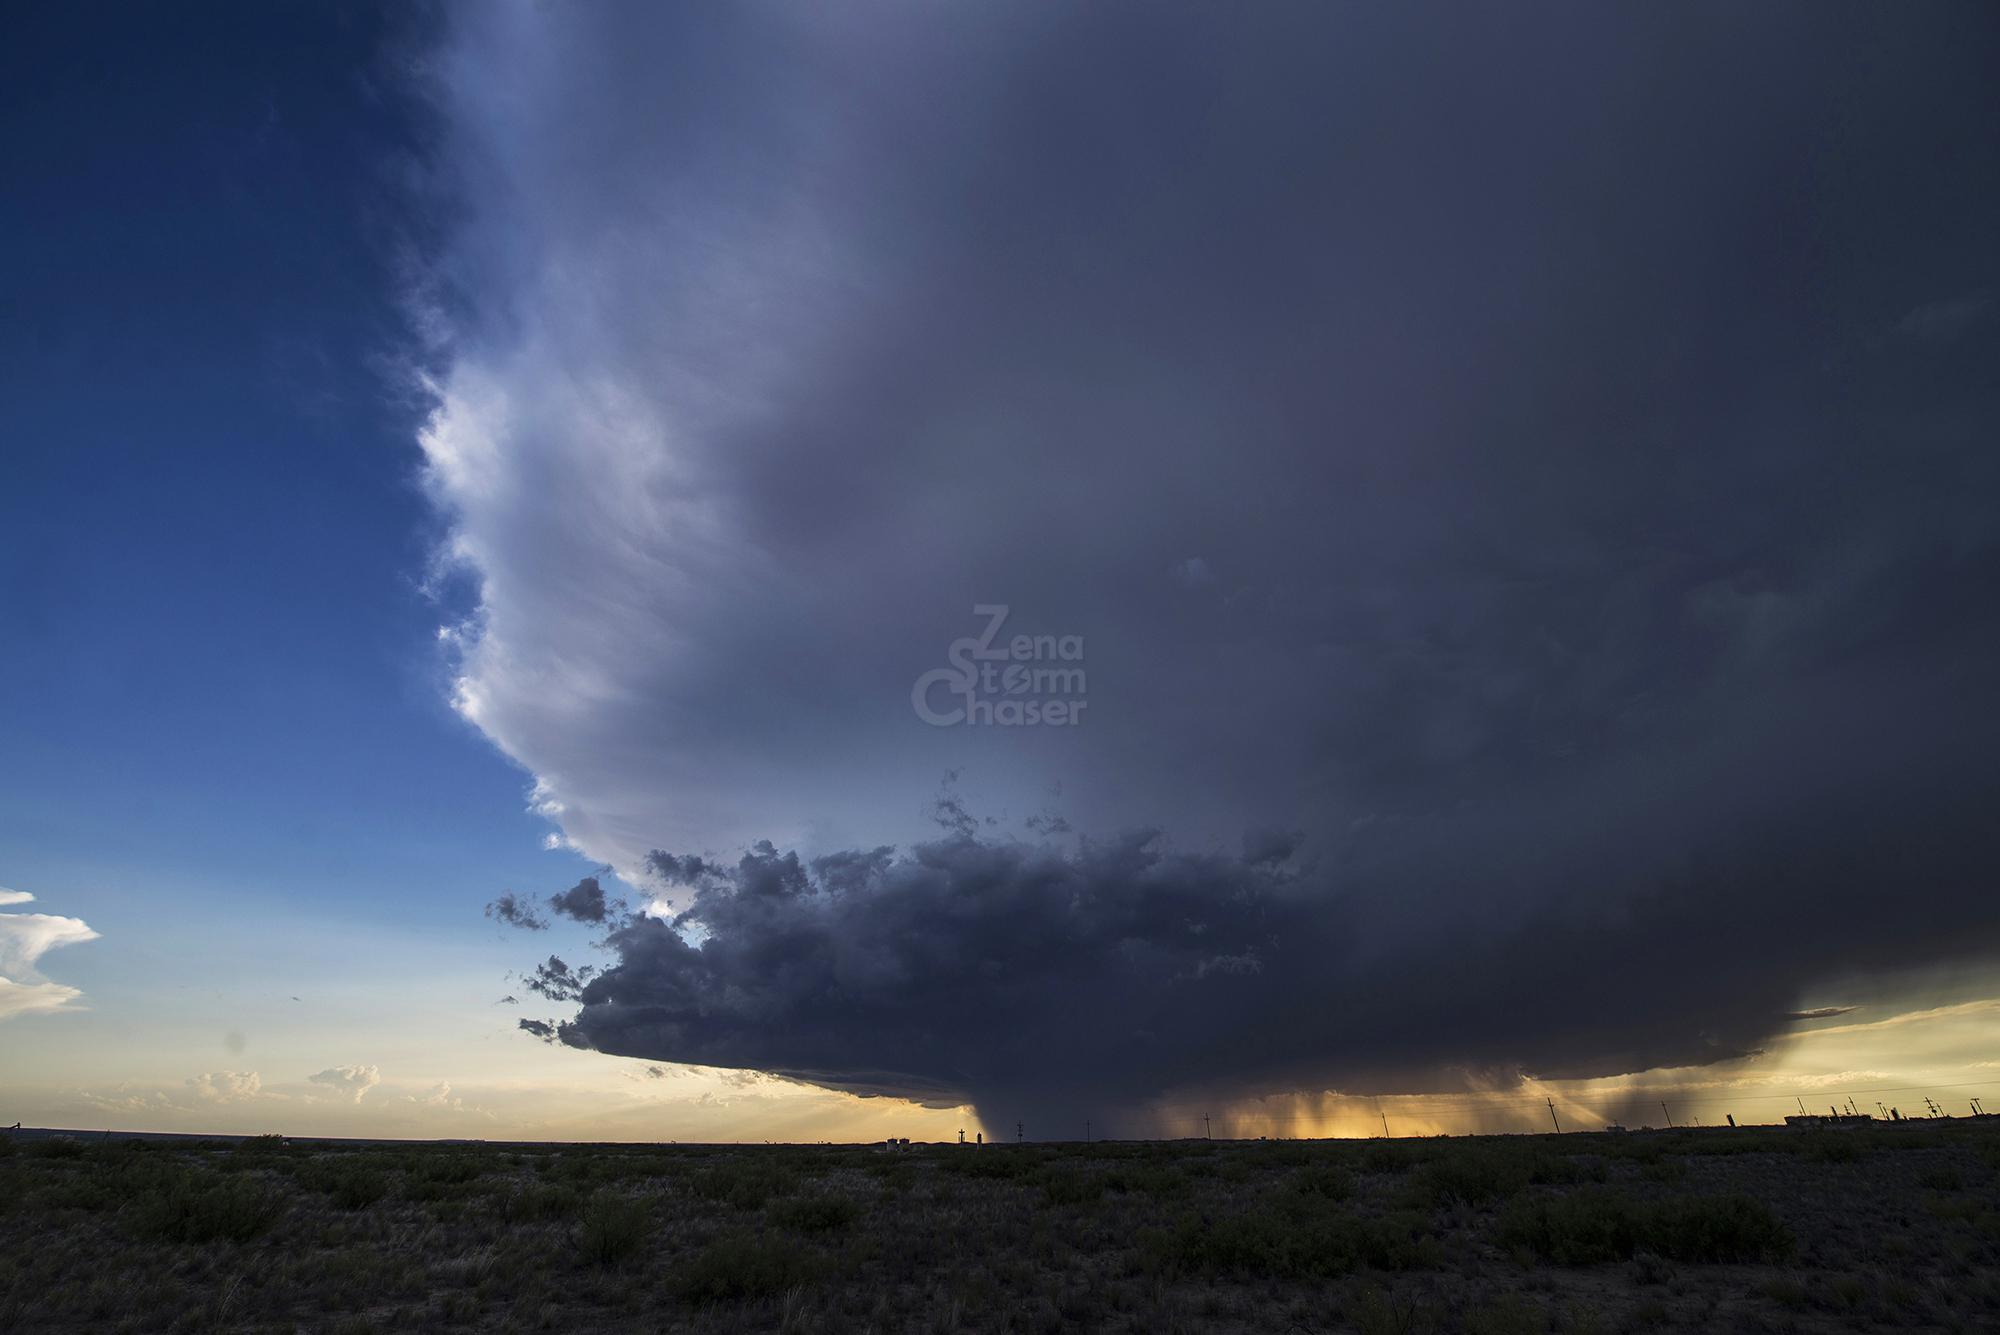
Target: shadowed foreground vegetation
pixel 1894 1228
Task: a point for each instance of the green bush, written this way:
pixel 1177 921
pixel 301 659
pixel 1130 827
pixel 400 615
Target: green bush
pixel 537 1202
pixel 1563 1170
pixel 56 1147
pixel 815 1214
pixel 349 1181
pixel 614 1228
pixel 1289 1244
pixel 181 1206
pixel 1592 1227
pixel 1472 1177
pixel 738 1266
pixel 992 1161
pixel 358 1188
pixel 1070 1187
pixel 1717 1229
pixel 1147 1179
pixel 744 1185
pixel 1394 1156
pixel 91 1189
pixel 1325 1182
pixel 1581 1229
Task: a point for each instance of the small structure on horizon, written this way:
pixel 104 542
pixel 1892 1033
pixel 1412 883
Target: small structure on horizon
pixel 1835 1120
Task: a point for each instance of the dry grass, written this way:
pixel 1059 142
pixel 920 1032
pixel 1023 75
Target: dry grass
pixel 1897 1228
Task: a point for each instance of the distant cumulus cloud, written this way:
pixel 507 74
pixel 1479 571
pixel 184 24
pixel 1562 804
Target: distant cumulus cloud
pixel 226 1086
pixel 351 1082
pixel 437 1096
pixel 1575 534
pixel 24 939
pixel 126 1099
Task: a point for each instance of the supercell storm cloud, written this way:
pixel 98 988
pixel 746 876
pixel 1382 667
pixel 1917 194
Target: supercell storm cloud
pixel 1520 526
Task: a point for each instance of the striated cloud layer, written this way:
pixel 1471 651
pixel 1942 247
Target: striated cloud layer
pixel 1538 464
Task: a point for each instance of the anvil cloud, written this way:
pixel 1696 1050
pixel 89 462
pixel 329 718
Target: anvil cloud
pixel 1543 460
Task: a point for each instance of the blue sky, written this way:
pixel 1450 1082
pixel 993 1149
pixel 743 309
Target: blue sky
pixel 1502 529
pixel 227 742
pixel 215 540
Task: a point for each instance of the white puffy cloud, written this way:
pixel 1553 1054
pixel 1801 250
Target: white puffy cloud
pixel 127 1098
pixel 437 1096
pixel 24 939
pixel 350 1081
pixel 226 1086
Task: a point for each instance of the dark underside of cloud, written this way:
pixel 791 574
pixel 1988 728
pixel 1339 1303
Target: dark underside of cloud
pixel 1523 482
pixel 1664 925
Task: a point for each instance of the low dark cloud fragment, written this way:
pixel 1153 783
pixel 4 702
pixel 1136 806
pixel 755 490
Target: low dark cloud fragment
pixel 949 812
pixel 542 1029
pixel 851 870
pixel 1819 1013
pixel 583 902
pixel 557 981
pixel 1269 847
pixel 684 870
pixel 509 1000
pixel 513 911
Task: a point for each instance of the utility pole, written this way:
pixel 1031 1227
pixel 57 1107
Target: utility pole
pixel 1385 1125
pixel 1018 1135
pixel 1552 1117
pixel 1670 1116
pixel 1206 1133
pixel 1802 1105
